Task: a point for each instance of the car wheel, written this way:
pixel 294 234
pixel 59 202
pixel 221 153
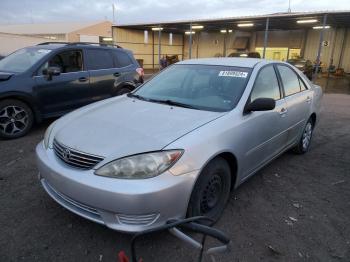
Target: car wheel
pixel 123 91
pixel 305 140
pixel 211 191
pixel 16 119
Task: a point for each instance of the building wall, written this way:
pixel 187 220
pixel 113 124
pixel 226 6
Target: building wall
pixel 51 37
pixel 211 44
pixel 12 42
pixel 290 38
pixel 100 29
pixel 335 39
pixel 148 52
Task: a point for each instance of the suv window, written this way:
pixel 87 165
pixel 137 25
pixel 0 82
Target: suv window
pixel 289 79
pixel 121 59
pixel 266 85
pixel 99 59
pixel 67 61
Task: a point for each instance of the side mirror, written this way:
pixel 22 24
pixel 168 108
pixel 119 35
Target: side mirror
pixel 260 104
pixel 51 71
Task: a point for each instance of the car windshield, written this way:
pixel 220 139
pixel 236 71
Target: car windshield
pixel 202 87
pixel 22 60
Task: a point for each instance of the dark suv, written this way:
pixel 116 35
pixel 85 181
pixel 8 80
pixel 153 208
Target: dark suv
pixel 51 79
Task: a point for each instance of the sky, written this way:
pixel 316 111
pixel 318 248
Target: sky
pixel 142 11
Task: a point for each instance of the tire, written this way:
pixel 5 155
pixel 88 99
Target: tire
pixel 16 119
pixel 123 91
pixel 304 143
pixel 211 191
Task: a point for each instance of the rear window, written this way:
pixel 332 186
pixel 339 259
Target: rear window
pixel 98 59
pixel 121 59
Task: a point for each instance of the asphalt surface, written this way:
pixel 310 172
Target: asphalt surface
pixel 295 209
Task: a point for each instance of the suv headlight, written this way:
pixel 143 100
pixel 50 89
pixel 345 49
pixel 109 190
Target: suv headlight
pixel 47 135
pixel 140 166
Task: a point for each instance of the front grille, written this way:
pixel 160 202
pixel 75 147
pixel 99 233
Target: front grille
pixel 75 158
pixel 137 219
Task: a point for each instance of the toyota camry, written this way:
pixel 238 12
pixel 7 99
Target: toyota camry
pixel 180 143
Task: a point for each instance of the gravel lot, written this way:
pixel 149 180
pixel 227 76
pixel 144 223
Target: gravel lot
pixel 295 209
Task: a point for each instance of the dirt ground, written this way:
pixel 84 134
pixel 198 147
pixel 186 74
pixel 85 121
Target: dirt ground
pixel 295 209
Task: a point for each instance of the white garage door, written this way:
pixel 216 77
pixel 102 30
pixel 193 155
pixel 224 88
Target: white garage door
pixel 90 38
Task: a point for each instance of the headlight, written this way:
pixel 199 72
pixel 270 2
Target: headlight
pixel 140 166
pixel 47 135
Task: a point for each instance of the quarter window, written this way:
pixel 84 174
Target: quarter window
pixel 121 59
pixel 266 85
pixel 99 59
pixel 289 79
pixel 302 85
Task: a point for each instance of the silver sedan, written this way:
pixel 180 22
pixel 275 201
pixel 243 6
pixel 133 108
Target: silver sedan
pixel 179 144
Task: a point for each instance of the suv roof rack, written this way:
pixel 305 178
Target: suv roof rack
pixel 79 43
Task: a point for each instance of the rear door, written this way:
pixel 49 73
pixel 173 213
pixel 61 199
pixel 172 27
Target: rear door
pixel 67 91
pixel 265 132
pixel 126 68
pixel 102 71
pixel 298 100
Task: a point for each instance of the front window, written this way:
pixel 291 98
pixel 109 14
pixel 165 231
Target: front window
pixel 203 87
pixel 21 60
pixel 67 61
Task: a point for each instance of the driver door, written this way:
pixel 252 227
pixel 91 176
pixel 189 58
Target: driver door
pixel 67 91
pixel 265 132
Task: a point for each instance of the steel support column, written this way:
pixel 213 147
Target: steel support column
pixel 320 47
pixel 225 39
pixel 331 60
pixel 159 45
pixel 153 51
pixel 266 35
pixel 343 47
pixel 190 43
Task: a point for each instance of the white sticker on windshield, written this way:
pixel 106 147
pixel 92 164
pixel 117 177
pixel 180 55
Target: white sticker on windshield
pixel 233 74
pixel 44 51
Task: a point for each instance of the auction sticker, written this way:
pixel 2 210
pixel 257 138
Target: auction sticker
pixel 233 74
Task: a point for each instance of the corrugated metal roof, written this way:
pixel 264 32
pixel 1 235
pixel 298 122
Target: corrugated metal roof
pixel 47 28
pixel 234 18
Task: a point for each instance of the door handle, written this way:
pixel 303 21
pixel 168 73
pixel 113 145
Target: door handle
pixel 308 99
pixel 117 74
pixel 83 79
pixel 283 111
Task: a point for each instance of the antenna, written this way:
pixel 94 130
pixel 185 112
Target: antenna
pixel 289 10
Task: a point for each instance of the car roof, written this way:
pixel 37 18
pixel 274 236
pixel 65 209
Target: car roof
pixel 224 61
pixel 63 45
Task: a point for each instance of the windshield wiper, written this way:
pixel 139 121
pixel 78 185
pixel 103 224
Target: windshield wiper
pixel 137 96
pixel 173 103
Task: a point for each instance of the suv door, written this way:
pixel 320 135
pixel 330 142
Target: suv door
pixel 265 132
pixel 127 70
pixel 298 99
pixel 102 71
pixel 64 92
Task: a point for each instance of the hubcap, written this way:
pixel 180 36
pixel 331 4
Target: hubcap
pixel 211 194
pixel 13 119
pixel 307 136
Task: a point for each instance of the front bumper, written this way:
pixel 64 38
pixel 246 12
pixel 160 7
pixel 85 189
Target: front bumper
pixel 120 204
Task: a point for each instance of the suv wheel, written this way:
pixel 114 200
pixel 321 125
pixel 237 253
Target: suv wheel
pixel 211 191
pixel 16 119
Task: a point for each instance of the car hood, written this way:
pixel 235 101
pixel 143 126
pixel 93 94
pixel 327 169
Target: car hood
pixel 124 126
pixel 5 76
